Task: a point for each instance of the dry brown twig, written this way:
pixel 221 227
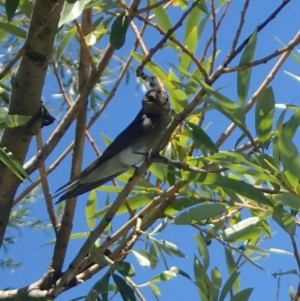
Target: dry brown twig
pixel 45 187
pixel 202 58
pixel 265 83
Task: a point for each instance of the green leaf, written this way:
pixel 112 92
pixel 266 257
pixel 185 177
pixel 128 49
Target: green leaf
pixel 152 67
pixel 182 203
pixel 232 268
pixel 168 275
pixel 125 268
pixel 242 295
pixel 13 30
pixel 14 120
pixel 243 230
pixel 142 257
pixel 245 164
pixel 226 106
pixel 155 290
pixel 180 272
pixel 91 209
pixel 199 213
pixel 255 249
pixel 11 7
pixel 192 21
pixel 163 20
pixel 203 250
pixel 202 6
pixel 289 157
pixel 168 247
pixel 162 17
pixel 177 97
pixel 200 137
pixel 284 219
pixel 71 11
pixel 216 277
pixel 153 255
pixel 228 285
pixel 135 201
pixel 191 45
pixel 8 158
pixel 287 199
pixel 163 276
pixel 280 251
pixel 243 76
pixel 158 171
pixel 201 279
pixel 101 287
pixel 264 115
pixel 119 30
pixel 126 291
pixel 65 42
pixel 236 186
pixel 26 7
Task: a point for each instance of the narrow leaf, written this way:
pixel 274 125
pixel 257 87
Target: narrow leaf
pixel 126 291
pixel 91 209
pixel 199 213
pixel 119 30
pixel 242 295
pixel 284 219
pixel 65 42
pixel 243 230
pixel 125 268
pixel 264 115
pixel 11 7
pixel 71 11
pixel 13 30
pixel 243 76
pixel 228 285
pixel 236 186
pixel 200 137
pixel 203 250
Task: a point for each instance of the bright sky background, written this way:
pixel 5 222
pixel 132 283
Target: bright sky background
pixel 30 248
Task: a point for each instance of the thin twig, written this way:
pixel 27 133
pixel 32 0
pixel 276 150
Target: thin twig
pixel 63 237
pixel 259 28
pixel 264 84
pixel 214 36
pixel 84 45
pixel 45 186
pixel 240 27
pixel 263 60
pixel 296 252
pixel 179 44
pixel 135 288
pixel 167 35
pixel 151 6
pixel 201 60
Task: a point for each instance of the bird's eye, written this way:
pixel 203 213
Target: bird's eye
pixel 151 98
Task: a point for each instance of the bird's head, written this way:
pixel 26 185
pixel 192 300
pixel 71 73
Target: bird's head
pixel 156 102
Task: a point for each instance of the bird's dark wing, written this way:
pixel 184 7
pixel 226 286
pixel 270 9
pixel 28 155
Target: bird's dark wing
pixel 137 128
pixel 85 187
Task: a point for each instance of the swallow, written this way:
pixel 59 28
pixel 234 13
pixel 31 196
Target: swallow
pixel 128 149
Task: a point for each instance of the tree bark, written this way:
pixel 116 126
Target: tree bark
pixel 27 85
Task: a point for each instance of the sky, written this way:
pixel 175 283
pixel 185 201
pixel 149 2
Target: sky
pixel 31 247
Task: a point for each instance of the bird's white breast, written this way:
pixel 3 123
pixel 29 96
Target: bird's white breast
pixel 129 156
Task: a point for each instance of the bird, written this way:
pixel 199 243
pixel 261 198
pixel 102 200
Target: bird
pixel 128 149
